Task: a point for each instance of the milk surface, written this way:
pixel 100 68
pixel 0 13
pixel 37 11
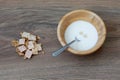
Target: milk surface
pixel 85 32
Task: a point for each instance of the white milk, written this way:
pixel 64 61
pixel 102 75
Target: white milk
pixel 84 31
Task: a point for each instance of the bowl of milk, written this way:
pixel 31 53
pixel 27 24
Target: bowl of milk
pixel 87 26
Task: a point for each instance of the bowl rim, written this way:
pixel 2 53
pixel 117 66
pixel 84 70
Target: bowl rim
pixel 75 51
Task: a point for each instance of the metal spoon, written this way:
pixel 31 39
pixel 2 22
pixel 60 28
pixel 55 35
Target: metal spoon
pixel 59 51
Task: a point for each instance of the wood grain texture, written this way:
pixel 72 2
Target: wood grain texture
pixel 41 17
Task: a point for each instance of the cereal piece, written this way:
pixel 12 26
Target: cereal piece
pixel 22 48
pixel 26 42
pixel 39 47
pixel 21 41
pixel 19 53
pixel 32 37
pixel 25 34
pixel 15 43
pixel 30 45
pixel 38 38
pixel 28 54
pixel 35 51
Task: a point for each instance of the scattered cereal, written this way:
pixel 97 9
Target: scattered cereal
pixel 27 45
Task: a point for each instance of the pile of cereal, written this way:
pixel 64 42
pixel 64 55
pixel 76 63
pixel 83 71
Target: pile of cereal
pixel 28 45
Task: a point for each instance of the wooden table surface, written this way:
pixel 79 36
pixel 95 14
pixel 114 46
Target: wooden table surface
pixel 41 17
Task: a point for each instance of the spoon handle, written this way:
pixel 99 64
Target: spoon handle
pixel 56 53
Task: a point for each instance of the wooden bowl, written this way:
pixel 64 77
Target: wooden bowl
pixel 86 16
